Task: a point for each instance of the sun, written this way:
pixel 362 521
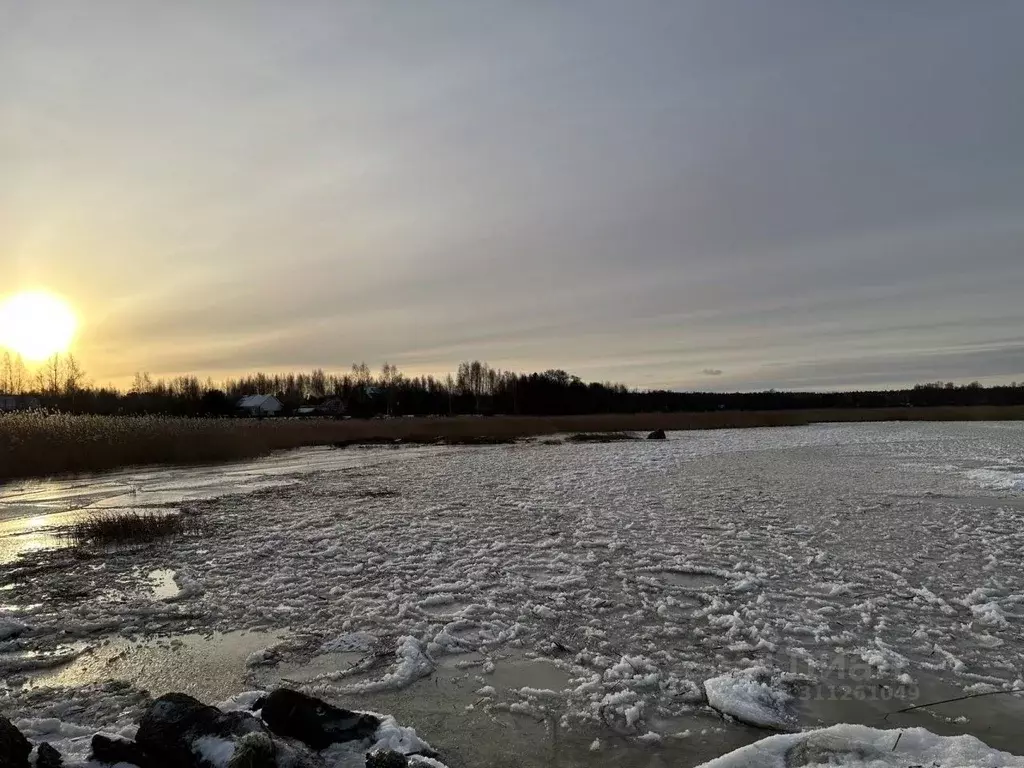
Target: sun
pixel 36 324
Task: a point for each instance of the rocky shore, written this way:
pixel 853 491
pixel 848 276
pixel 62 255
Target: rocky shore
pixel 282 729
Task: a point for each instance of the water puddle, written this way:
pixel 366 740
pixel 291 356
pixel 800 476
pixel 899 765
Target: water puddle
pixel 543 572
pixel 510 673
pixel 691 579
pixel 324 664
pixel 209 667
pixel 162 584
pixel 15 664
pixel 451 607
pixel 30 534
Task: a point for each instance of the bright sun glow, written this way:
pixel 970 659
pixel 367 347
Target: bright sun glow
pixel 36 324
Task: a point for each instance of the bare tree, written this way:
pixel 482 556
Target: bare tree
pixel 74 376
pixel 390 378
pixel 19 376
pixel 7 374
pixel 449 384
pixel 142 383
pixel 318 383
pixel 53 375
pixel 361 373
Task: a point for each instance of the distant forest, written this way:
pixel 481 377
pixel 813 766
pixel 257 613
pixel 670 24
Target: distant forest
pixel 476 388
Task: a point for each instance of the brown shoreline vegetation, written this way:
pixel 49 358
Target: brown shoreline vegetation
pixel 131 527
pixel 35 445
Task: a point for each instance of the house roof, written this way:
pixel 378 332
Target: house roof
pixel 257 401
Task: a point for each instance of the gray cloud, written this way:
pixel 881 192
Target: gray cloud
pixel 811 195
pixel 712 371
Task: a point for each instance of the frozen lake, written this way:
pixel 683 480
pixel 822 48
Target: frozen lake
pixel 520 605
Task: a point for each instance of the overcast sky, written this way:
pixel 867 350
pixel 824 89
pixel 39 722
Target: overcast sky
pixel 722 194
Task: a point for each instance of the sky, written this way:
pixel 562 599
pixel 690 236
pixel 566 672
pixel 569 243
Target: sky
pixel 739 194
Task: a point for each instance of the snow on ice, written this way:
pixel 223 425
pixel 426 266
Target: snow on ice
pixel 754 698
pixel 857 746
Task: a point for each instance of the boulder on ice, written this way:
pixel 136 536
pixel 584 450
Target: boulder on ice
pixel 387 759
pixel 658 434
pixel 183 732
pixel 283 729
pixel 254 750
pixel 117 751
pixel 48 757
pixel 314 722
pixel 14 747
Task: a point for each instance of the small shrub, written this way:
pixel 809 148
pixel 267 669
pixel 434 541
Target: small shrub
pixel 131 527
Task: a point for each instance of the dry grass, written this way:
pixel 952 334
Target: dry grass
pixel 119 527
pixel 40 445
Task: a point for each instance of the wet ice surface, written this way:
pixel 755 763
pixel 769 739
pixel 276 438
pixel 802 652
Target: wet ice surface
pixel 539 598
pixel 34 512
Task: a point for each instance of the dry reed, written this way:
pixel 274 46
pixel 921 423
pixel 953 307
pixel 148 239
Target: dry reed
pixel 39 444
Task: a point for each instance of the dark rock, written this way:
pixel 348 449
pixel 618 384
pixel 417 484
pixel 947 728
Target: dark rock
pixel 658 434
pixel 386 759
pixel 294 754
pixel 14 747
pixel 174 721
pixel 171 717
pixel 254 750
pixel 113 751
pixel 48 757
pixel 314 722
pixel 234 725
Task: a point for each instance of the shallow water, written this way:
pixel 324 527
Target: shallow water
pixel 209 667
pixel 164 585
pixel 994 719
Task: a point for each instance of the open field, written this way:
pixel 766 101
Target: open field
pixel 37 445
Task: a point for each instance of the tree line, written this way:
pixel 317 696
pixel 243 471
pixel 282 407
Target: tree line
pixel 474 388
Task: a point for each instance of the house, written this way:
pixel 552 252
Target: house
pixel 18 403
pixel 332 406
pixel 259 405
pixel 328 407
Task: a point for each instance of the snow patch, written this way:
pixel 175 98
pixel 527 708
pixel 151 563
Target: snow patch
pixel 215 750
pixel 857 746
pixel 752 697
